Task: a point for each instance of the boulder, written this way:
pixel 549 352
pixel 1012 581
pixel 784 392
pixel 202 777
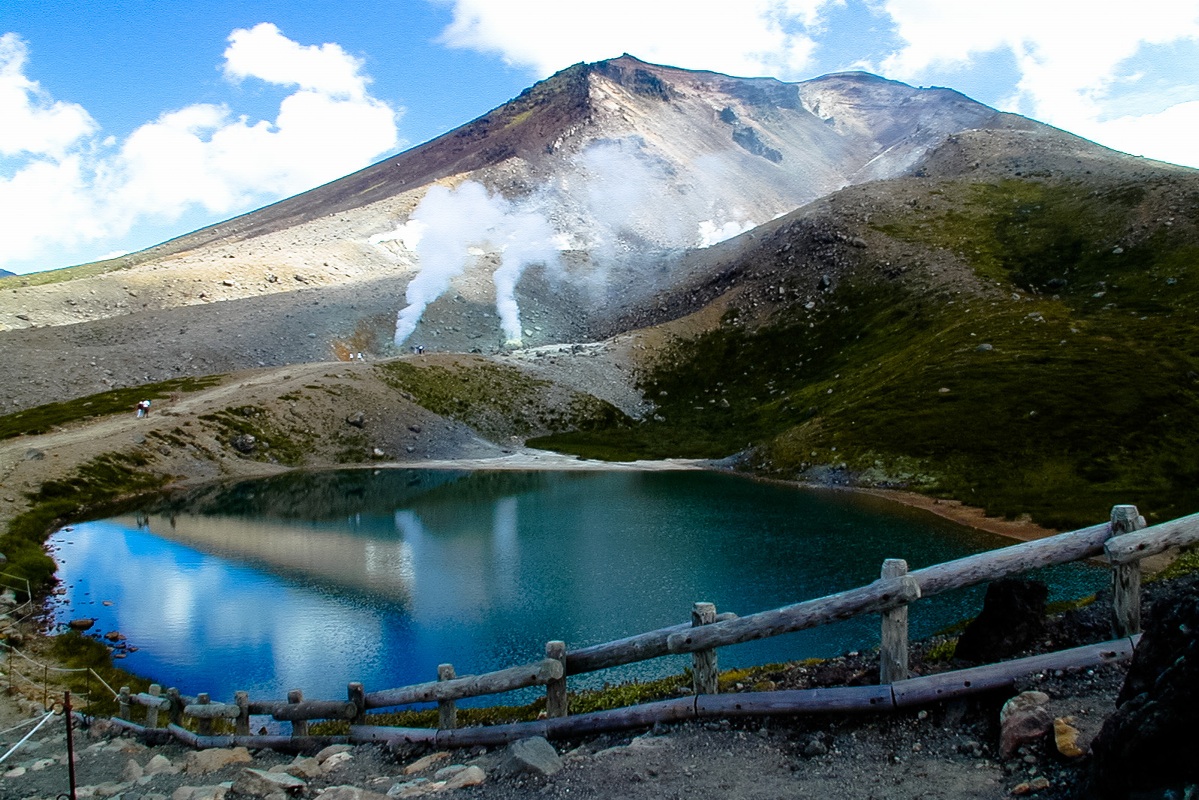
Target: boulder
pixel 1147 747
pixel 202 762
pixel 1013 616
pixel 244 443
pixel 200 793
pixel 534 756
pixel 357 419
pixel 1023 719
pixel 81 624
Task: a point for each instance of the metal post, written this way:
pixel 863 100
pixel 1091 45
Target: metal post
pixel 66 710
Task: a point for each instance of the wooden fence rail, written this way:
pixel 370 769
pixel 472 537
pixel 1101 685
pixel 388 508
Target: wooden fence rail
pixel 1124 540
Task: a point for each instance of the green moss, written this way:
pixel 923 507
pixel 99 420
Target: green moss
pixel 1186 563
pixel 99 483
pixel 942 650
pixel 42 419
pixel 76 651
pixel 273 442
pixel 1077 402
pixel 498 400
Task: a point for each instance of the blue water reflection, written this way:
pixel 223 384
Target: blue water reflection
pixel 312 581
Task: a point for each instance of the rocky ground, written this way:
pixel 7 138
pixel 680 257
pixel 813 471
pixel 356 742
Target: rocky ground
pixel 948 750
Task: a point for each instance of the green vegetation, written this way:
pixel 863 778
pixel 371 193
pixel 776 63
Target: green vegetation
pixel 1186 563
pixel 42 419
pixel 498 400
pixel 73 650
pixel 103 482
pixel 67 273
pixel 270 443
pixel 1055 405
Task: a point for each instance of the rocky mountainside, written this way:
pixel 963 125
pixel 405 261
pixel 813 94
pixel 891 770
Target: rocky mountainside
pixel 987 308
pixel 574 196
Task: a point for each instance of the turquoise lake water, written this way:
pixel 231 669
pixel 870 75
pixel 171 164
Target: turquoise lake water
pixel 314 580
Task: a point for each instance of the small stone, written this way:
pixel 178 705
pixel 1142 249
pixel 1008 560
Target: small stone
pixel 1039 784
pixel 257 783
pixel 1023 719
pixel 334 761
pixel 304 768
pixel 133 772
pixel 425 762
pixel 533 755
pixel 1065 736
pixel 15 772
pixel 471 776
pixel 204 761
pixel 445 773
pixel 350 793
pixel 159 765
pixel 330 751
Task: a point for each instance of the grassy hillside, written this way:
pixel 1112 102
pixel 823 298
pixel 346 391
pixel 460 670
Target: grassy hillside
pixel 1064 379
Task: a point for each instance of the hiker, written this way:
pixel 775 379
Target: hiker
pixel 143 408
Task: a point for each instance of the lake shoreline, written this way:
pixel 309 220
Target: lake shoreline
pixel 1021 529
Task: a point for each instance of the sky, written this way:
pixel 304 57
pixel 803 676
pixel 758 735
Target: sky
pixel 129 122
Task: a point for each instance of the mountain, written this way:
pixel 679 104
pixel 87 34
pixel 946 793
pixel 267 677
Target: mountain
pixel 846 280
pixel 603 171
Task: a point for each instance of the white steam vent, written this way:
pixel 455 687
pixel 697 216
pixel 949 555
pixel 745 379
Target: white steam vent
pixel 452 226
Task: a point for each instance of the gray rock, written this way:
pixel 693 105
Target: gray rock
pixel 33 454
pixel 350 793
pixel 1023 719
pixel 529 756
pixel 244 443
pixel 357 419
pixel 256 783
pixel 332 749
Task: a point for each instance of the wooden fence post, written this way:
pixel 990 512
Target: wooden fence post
pixel 152 711
pixel 1126 578
pixel 893 645
pixel 241 726
pixel 357 696
pixel 175 713
pixel 556 702
pixel 299 727
pixel 123 708
pixel 704 671
pixel 203 724
pixel 447 710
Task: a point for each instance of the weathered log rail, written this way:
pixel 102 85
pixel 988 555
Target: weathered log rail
pixel 1123 541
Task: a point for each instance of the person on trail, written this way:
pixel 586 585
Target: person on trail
pixel 143 408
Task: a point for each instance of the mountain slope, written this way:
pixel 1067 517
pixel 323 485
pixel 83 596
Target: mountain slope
pixel 1017 329
pixel 624 162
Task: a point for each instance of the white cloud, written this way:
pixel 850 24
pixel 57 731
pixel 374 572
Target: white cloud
pixel 263 52
pixel 1070 53
pixel 33 122
pixel 73 187
pixel 758 37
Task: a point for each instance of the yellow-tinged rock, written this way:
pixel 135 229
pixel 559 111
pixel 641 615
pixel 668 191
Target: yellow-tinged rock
pixel 1065 736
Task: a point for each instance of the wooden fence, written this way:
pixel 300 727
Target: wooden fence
pixel 1123 542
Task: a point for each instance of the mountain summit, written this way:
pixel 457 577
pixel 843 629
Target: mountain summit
pixel 586 185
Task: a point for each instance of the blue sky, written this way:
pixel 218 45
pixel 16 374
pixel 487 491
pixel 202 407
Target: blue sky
pixel 123 124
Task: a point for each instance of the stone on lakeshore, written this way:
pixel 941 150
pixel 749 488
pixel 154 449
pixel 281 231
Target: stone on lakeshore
pixel 349 793
pixel 200 793
pixel 1065 736
pixel 445 773
pixel 133 771
pixel 1023 719
pixel 204 761
pixel 534 755
pixel 332 749
pixel 1013 616
pixel 335 761
pixel 304 768
pixel 256 783
pixel 471 776
pixel 423 763
pixel 160 765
